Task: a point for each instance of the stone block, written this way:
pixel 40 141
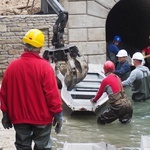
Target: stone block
pixel 96 9
pixel 8 34
pixel 10 59
pixel 106 3
pixel 97 59
pixel 18 46
pixel 13 52
pixel 86 21
pixel 3 66
pixel 96 34
pixel 3 61
pixel 3 28
pixel 4 53
pixel 15 29
pixel 117 1
pixel 77 7
pixel 90 48
pixel 77 35
pixel 12 41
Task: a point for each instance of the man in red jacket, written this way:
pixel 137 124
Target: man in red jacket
pixel 30 99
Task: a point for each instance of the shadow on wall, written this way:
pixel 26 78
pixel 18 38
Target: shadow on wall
pixel 130 19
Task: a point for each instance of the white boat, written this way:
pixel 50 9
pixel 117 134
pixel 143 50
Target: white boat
pixel 78 99
pixel 144 145
pixel 88 146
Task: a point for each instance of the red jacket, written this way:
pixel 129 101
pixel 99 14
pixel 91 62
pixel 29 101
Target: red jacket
pixel 146 50
pixel 110 81
pixel 29 92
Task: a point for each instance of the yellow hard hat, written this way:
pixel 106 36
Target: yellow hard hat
pixel 34 37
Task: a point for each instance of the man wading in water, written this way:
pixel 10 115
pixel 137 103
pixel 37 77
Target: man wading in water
pixel 120 107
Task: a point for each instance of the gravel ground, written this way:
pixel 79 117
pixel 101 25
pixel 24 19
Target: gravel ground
pixel 6 137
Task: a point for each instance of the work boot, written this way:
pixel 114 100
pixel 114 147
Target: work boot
pixel 99 121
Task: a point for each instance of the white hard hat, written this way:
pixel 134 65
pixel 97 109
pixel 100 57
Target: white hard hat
pixel 122 53
pixel 138 56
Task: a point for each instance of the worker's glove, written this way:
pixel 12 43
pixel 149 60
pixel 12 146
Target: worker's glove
pixel 57 122
pixel 6 121
pixel 92 100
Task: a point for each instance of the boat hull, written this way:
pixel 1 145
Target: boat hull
pixel 77 100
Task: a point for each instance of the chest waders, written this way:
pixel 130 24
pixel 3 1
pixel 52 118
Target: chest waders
pixel 141 88
pixel 125 76
pixel 120 108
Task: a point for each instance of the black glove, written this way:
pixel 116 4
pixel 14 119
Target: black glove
pixel 6 121
pixel 57 122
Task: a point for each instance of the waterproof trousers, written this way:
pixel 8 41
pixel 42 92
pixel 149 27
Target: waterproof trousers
pixel 124 114
pixel 27 133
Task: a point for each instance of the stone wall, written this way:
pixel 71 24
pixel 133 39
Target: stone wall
pixel 13 28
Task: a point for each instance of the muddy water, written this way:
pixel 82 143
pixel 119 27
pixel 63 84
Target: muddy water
pixel 84 129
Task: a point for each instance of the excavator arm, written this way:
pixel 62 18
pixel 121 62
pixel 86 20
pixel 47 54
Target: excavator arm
pixel 53 6
pixel 67 58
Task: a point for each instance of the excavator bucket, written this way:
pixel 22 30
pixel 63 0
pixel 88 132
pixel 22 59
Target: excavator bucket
pixel 69 62
pixel 76 71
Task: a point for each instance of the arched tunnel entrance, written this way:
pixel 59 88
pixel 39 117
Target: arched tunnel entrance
pixel 130 19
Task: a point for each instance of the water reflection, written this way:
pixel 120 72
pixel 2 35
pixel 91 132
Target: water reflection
pixel 84 129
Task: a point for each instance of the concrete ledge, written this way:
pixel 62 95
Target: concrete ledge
pixel 145 142
pixel 88 146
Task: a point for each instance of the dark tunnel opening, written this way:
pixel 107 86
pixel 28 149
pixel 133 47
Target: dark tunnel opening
pixel 130 19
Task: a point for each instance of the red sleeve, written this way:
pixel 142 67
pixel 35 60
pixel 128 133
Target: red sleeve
pixel 145 51
pixel 101 90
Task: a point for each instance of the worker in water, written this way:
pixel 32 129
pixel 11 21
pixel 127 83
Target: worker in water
pixel 120 107
pixel 139 78
pixel 123 67
pixel 112 49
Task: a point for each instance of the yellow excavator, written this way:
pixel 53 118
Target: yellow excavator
pixel 67 58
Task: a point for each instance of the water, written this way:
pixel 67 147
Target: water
pixel 84 129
